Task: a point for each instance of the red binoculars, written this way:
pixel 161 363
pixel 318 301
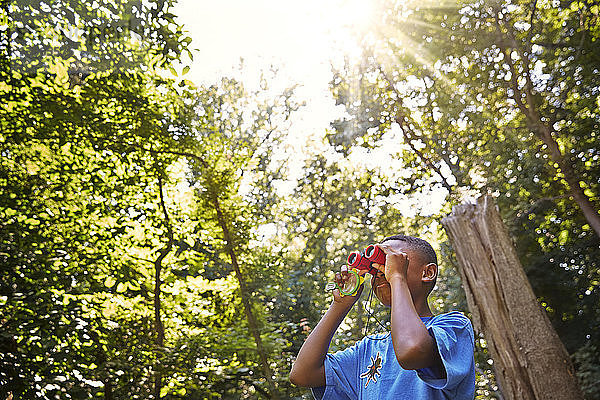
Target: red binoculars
pixel 363 261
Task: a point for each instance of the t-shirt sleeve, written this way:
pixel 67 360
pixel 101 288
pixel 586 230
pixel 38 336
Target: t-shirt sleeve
pixel 454 338
pixel 341 372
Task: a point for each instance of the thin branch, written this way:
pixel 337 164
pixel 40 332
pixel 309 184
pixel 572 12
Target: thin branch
pixel 407 132
pixel 543 199
pixel 141 259
pixel 531 31
pixel 517 93
pixel 582 41
pixel 528 89
pixel 323 220
pixel 560 45
pixel 173 152
pixel 314 233
pixel 165 213
pixel 245 295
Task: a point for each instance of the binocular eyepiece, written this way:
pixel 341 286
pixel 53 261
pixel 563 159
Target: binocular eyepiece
pixel 364 260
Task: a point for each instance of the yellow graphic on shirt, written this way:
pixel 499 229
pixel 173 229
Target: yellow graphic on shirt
pixel 372 370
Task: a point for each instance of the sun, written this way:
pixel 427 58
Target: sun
pixel 354 14
pixel 344 24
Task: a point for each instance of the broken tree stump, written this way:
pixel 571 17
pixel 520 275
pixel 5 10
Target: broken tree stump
pixel 531 362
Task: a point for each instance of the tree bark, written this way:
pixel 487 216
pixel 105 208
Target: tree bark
pixel 108 390
pixel 530 360
pixel 251 318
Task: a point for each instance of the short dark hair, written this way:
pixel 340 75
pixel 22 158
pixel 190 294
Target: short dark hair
pixel 418 244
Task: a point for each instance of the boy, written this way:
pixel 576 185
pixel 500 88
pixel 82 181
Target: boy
pixel 424 357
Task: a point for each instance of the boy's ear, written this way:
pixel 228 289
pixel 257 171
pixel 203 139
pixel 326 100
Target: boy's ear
pixel 430 272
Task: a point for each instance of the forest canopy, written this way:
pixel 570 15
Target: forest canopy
pixel 156 243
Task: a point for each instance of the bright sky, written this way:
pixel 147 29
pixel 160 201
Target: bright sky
pixel 299 38
pixel 302 39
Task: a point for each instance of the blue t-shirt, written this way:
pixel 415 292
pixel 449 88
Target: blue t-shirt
pixel 369 369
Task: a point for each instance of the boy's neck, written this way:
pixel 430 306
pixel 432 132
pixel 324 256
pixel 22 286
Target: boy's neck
pixel 423 309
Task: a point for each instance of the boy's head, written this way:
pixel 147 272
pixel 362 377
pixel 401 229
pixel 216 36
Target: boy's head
pixel 421 273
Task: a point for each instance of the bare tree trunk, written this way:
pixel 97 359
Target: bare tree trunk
pixel 108 390
pixel 158 325
pixel 570 176
pixel 252 321
pixel 530 360
pixel 251 318
pixel 543 130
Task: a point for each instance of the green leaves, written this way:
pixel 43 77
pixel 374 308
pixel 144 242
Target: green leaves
pixel 117 185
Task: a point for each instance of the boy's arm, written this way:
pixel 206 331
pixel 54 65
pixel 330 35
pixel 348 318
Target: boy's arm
pixel 413 345
pixel 309 369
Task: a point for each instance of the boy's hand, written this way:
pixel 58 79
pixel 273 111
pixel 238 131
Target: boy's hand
pixel 340 278
pixel 396 262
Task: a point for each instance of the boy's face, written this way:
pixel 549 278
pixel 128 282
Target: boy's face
pixel 414 275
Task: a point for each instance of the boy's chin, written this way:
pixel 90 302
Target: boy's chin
pixel 385 300
pixel 384 294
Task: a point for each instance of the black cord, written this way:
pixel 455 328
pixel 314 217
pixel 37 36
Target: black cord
pixel 369 299
pixel 367 310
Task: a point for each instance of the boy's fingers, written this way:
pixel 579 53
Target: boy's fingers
pixel 400 259
pixel 403 256
pixel 344 270
pixel 385 247
pixel 390 251
pixel 379 267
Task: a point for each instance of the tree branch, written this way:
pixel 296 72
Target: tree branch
pixel 172 152
pixel 401 120
pixel 407 133
pixel 543 199
pixel 246 297
pixel 560 45
pixel 531 31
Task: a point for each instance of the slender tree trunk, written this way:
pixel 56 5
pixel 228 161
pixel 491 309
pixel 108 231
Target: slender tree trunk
pixel 251 318
pixel 530 360
pixel 570 176
pixel 108 390
pixel 252 321
pixel 543 130
pixel 158 325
